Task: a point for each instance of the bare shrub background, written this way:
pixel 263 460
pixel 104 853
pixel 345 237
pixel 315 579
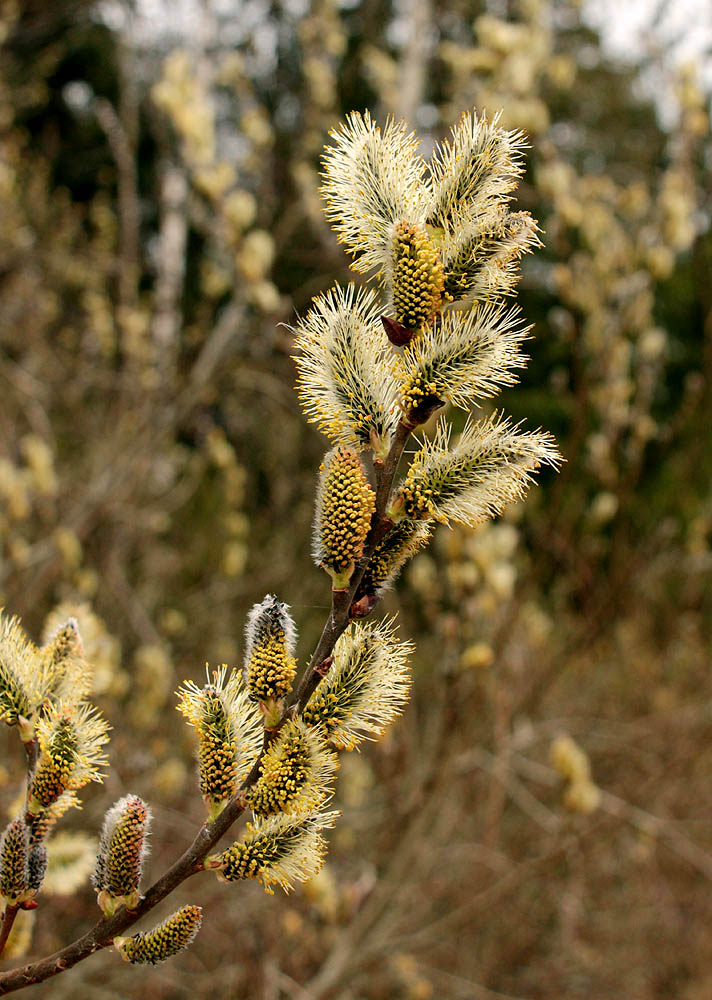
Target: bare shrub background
pixel 160 218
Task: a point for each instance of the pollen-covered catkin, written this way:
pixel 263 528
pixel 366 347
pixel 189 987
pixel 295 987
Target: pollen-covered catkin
pixel 490 467
pixel 216 750
pixel 14 856
pixel 391 554
pixel 70 740
pixel 366 687
pixel 55 766
pixel 229 730
pixel 295 774
pixel 270 639
pixel 122 850
pixel 65 674
pixel 17 670
pixel 155 946
pixel 344 506
pixel 65 644
pixel 279 850
pixel 418 276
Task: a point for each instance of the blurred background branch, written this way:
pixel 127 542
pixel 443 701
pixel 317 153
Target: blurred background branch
pixel 160 222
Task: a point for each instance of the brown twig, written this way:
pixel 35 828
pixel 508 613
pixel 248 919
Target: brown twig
pixel 342 599
pixel 8 919
pixel 104 932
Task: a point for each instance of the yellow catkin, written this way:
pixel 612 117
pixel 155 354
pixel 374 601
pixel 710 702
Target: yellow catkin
pixel 271 670
pixel 418 276
pixel 14 847
pixel 345 505
pixel 270 639
pixel 296 773
pixel 164 941
pixel 122 847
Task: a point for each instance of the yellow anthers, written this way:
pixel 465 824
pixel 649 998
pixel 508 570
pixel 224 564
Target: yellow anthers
pixel 418 278
pixel 229 734
pixel 270 639
pixel 474 174
pixel 280 850
pixel 296 773
pixel 170 937
pixel 65 673
pixel 366 687
pixel 462 358
pixel 490 467
pixel 122 852
pixel 345 383
pixel 19 672
pixel 345 503
pixel 42 823
pixel 70 741
pixel 14 857
pixel 481 259
pixel 399 546
pixel 373 178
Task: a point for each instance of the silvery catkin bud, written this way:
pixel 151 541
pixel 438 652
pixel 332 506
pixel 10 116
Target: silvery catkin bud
pixel 270 639
pixel 122 851
pixel 14 854
pixel 164 941
pixel 345 504
pixel 418 276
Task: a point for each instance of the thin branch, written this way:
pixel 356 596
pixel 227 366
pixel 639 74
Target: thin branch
pixel 104 932
pixel 8 919
pixel 129 213
pixel 341 600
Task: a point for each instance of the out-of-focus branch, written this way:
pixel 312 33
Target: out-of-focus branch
pixel 129 216
pixel 170 265
pixel 414 60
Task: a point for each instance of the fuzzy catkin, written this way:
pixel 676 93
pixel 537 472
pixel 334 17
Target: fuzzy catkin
pixel 167 939
pixel 270 639
pixel 14 856
pixel 399 545
pixel 295 773
pixel 36 867
pixel 122 847
pixel 418 276
pixel 217 749
pixel 344 507
pixel 281 849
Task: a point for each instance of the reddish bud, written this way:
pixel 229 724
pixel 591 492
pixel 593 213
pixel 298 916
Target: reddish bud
pixel 398 334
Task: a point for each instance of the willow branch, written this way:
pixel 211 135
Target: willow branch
pixel 191 861
pixel 104 932
pixel 8 919
pixel 342 599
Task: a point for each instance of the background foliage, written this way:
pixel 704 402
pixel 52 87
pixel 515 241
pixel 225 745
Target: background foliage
pixel 160 224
